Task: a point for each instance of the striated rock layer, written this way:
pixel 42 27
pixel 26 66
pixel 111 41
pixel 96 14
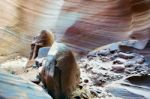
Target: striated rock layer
pixel 82 24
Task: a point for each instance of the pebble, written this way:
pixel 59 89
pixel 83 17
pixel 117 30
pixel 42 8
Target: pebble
pixel 126 55
pixel 140 60
pixel 99 82
pixel 117 64
pixel 130 63
pixel 94 93
pixel 86 80
pixel 91 54
pixel 119 61
pixel 103 52
pixel 118 68
pixel 84 96
pixel 105 59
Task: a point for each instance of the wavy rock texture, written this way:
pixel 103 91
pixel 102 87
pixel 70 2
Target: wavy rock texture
pixel 82 24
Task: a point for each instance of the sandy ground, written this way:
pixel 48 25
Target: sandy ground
pixel 16 66
pixel 99 68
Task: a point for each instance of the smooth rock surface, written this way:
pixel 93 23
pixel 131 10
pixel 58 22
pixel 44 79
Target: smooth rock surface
pixel 81 24
pixel 13 87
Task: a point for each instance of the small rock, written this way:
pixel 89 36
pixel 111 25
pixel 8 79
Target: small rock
pixel 130 63
pixel 119 61
pixel 85 66
pixel 102 68
pixel 95 71
pixel 91 54
pixel 113 57
pixel 105 59
pixel 89 68
pixel 80 86
pixel 94 93
pixel 113 51
pixel 103 52
pixel 127 71
pixel 131 69
pixel 143 72
pixel 99 83
pixel 84 96
pixel 140 60
pixel 86 80
pixel 125 55
pixel 118 68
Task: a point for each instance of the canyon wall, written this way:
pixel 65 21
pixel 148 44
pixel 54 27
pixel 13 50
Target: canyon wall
pixel 82 24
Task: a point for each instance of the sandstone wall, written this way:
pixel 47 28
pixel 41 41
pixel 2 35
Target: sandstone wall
pixel 82 24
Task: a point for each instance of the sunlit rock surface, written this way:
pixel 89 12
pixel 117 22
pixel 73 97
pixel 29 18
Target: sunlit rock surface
pixel 106 72
pixel 82 24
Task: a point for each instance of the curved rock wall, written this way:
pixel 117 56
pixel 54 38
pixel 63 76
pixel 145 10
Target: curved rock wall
pixel 82 24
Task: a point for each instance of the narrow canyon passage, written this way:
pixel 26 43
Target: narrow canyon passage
pixel 110 40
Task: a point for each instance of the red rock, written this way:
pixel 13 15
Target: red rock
pixel 118 68
pixel 82 24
